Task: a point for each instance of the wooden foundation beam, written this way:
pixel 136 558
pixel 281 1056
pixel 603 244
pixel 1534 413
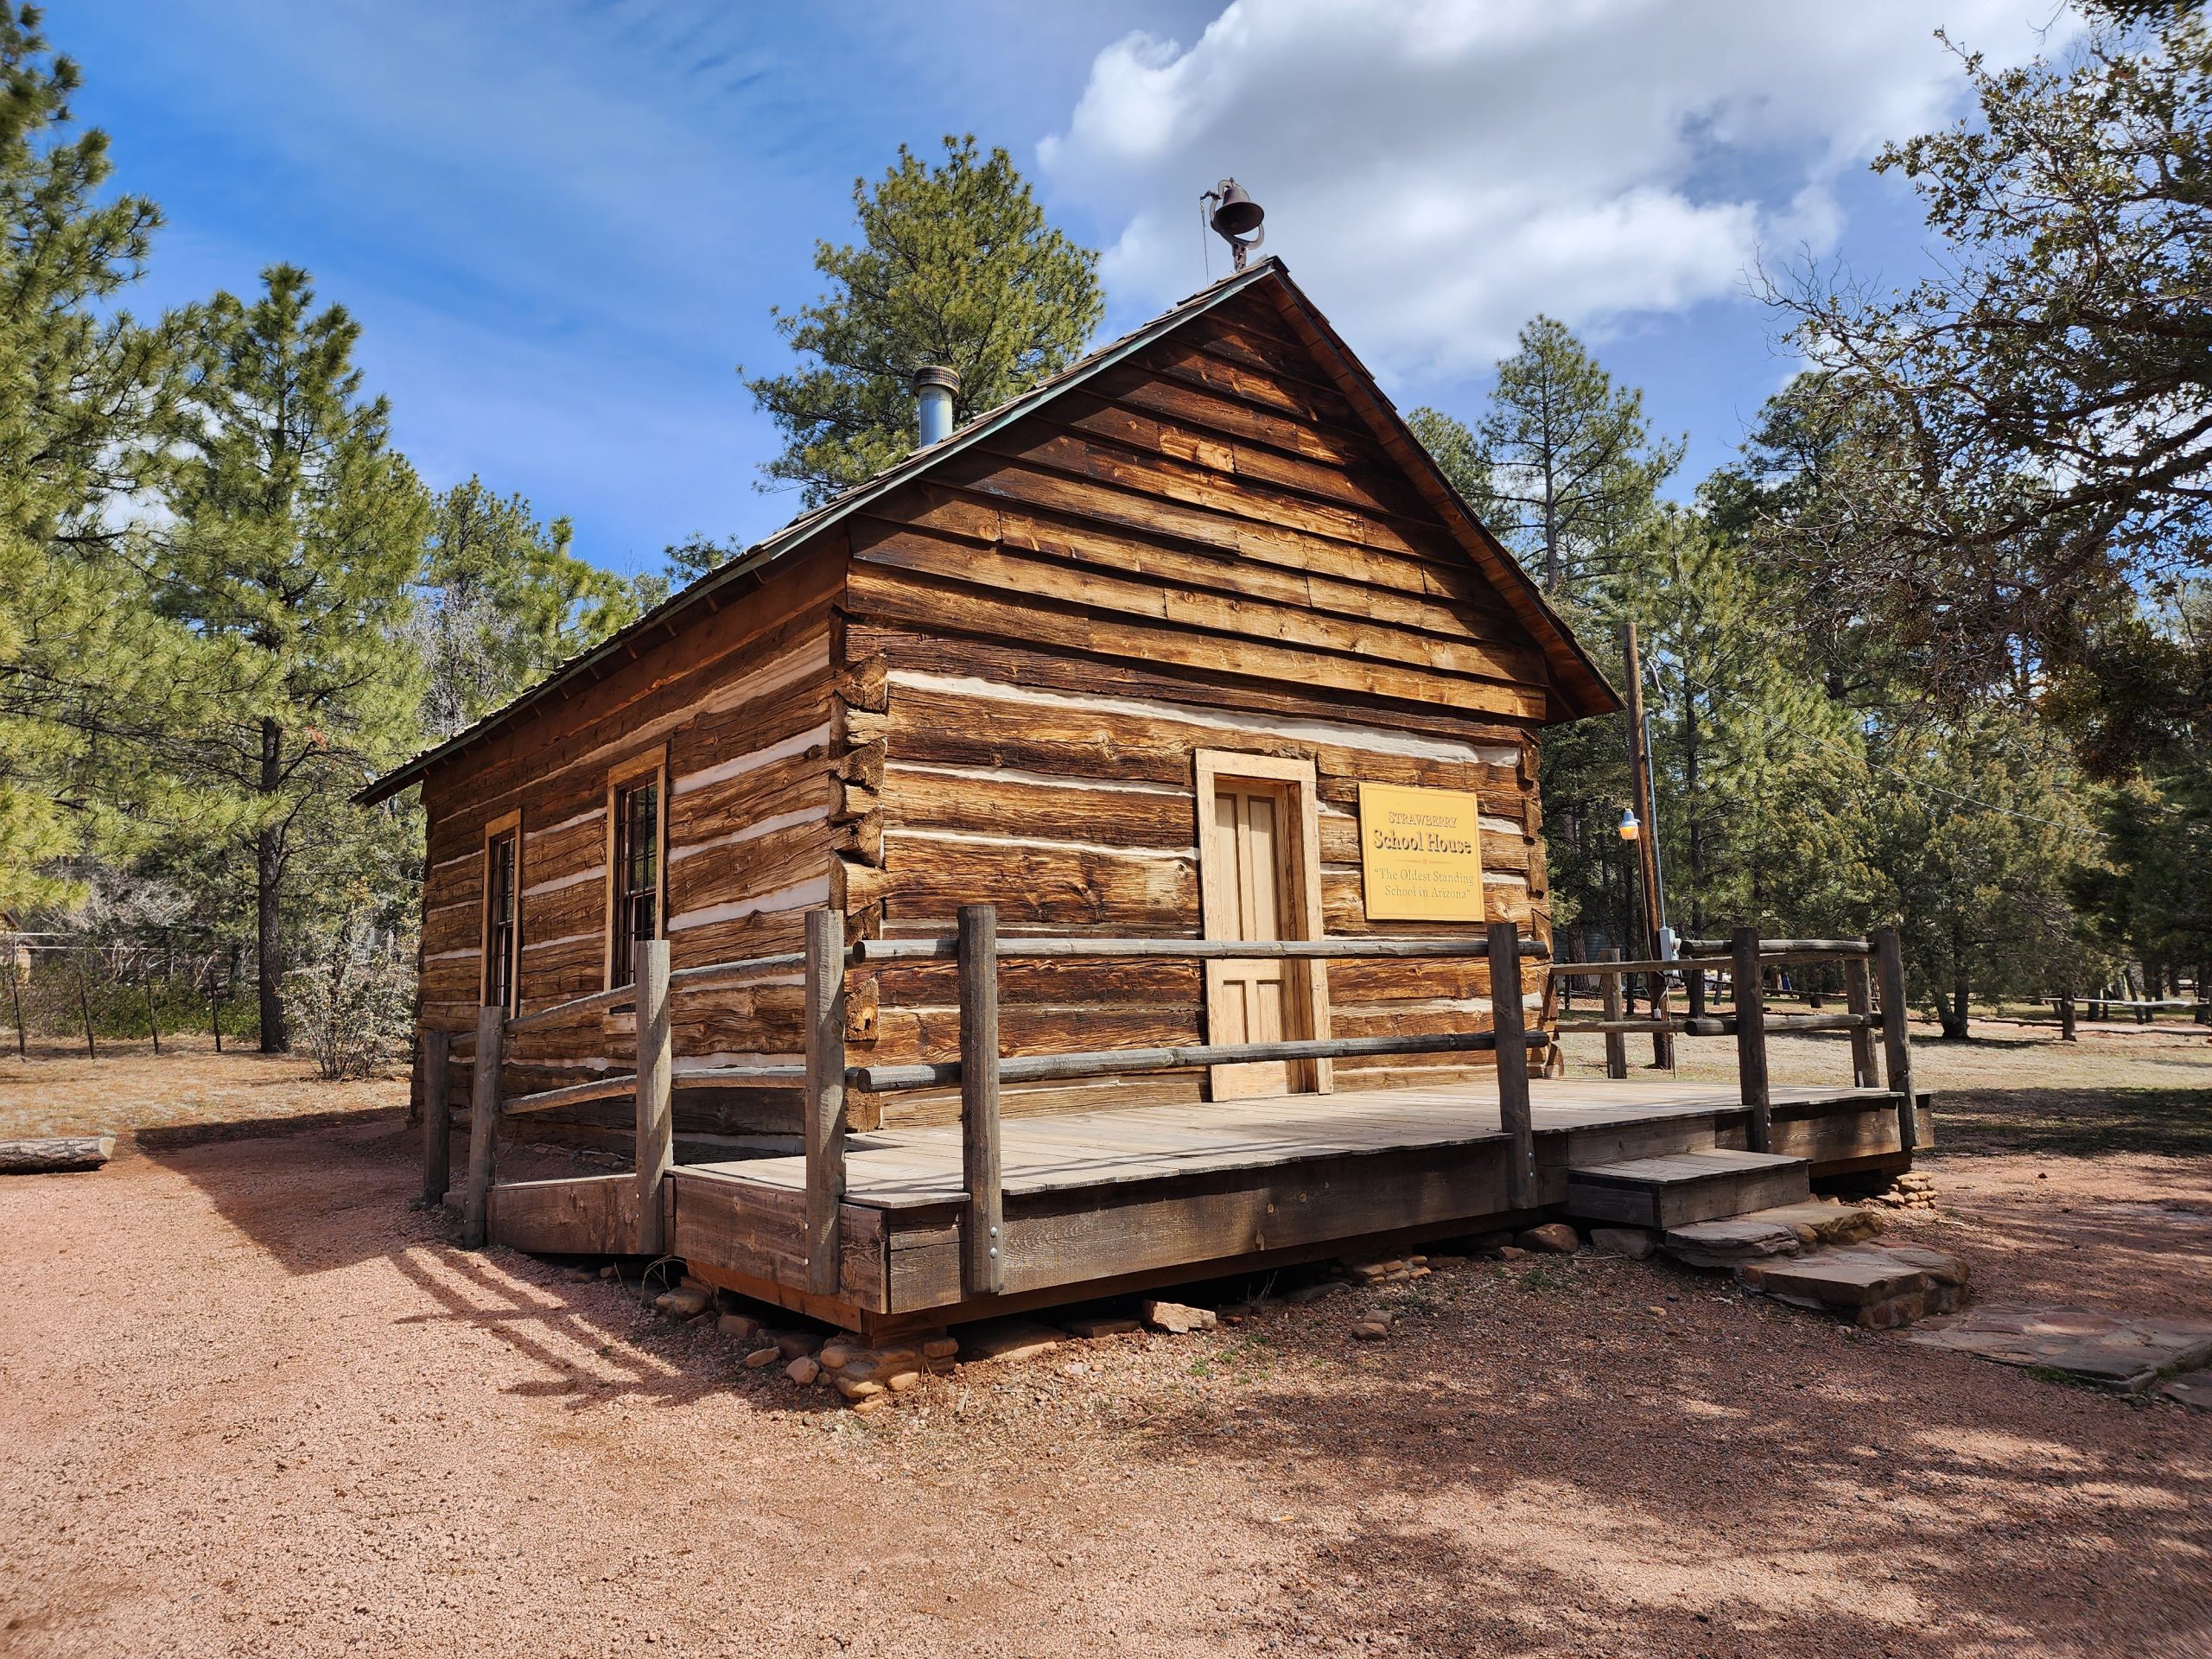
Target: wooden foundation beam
pixel 483 1123
pixel 437 1117
pixel 1897 1046
pixel 1858 997
pixel 1509 1020
pixel 1616 1043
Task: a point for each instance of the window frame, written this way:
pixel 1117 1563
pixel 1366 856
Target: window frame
pixel 506 827
pixel 640 771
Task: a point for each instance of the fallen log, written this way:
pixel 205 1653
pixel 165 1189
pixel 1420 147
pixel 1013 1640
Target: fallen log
pixel 56 1153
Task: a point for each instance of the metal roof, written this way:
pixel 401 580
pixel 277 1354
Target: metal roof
pixel 1550 631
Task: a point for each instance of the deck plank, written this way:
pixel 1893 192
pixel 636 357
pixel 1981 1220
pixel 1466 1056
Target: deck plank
pixel 904 1169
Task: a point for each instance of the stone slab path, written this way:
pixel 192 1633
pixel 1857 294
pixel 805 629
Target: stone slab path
pixel 2124 1352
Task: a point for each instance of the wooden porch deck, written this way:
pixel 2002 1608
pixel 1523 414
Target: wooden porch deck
pixel 1110 1200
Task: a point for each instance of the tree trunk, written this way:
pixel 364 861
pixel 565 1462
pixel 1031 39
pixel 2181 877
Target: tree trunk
pixel 1954 1011
pixel 56 1153
pixel 268 871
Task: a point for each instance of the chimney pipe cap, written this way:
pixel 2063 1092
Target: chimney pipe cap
pixel 936 374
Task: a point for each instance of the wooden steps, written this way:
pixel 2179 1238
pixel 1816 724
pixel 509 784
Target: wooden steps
pixel 1681 1187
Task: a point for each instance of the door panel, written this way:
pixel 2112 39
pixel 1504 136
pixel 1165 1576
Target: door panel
pixel 1252 1001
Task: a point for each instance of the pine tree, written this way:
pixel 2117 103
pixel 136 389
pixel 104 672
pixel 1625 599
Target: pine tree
pixel 84 397
pixel 297 532
pixel 1570 457
pixel 1762 772
pixel 1978 827
pixel 502 601
pixel 956 267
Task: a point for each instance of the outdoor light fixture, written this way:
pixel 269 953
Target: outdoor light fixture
pixel 1629 827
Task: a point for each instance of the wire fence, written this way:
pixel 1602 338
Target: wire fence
pixel 59 987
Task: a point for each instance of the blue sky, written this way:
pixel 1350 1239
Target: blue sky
pixel 562 225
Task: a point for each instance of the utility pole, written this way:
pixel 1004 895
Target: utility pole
pixel 1654 910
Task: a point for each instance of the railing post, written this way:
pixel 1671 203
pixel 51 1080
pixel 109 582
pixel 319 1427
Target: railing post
pixel 1616 1041
pixel 1751 1037
pixel 483 1122
pixel 1897 1047
pixel 1858 997
pixel 1694 986
pixel 656 1085
pixel 1509 1023
pixel 437 1118
pixel 983 1254
pixel 2066 1034
pixel 825 1097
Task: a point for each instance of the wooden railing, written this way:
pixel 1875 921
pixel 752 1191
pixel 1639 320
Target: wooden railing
pixel 1748 956
pixel 651 1083
pixel 980 1069
pixel 979 1072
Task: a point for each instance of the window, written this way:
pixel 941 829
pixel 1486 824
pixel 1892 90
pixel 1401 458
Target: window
pixel 637 874
pixel 501 853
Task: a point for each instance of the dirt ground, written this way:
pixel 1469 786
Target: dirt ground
pixel 255 1404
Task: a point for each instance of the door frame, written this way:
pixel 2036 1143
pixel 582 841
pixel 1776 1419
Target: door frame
pixel 1302 907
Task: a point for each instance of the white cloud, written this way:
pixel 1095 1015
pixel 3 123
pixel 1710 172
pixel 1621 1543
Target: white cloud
pixel 1437 171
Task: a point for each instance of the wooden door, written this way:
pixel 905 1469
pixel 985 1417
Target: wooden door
pixel 1252 876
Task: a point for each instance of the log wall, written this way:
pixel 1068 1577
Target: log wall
pixel 989 683
pixel 741 707
pixel 1204 548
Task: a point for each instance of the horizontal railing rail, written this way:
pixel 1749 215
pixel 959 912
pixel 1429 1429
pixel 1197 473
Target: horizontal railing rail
pixel 946 947
pixel 1088 1063
pixel 683 979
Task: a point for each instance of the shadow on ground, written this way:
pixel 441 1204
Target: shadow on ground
pixel 2076 1123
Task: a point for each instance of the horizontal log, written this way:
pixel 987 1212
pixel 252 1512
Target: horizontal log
pixel 53 1154
pixel 1097 1061
pixel 606 1088
pixel 1612 969
pixel 622 997
pixel 945 947
pixel 1808 948
pixel 684 979
pixel 940 604
pixel 1724 1026
pixel 572 1094
pixel 725 973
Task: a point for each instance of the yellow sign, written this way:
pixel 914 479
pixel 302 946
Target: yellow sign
pixel 1420 856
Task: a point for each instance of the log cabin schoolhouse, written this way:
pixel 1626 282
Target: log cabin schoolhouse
pixel 1140 656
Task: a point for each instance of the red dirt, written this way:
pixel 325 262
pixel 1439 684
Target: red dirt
pixel 259 1407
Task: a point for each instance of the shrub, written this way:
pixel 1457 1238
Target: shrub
pixel 352 1001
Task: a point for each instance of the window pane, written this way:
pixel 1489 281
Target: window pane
pixel 637 900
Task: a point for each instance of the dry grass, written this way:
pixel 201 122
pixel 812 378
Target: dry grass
pixel 188 1088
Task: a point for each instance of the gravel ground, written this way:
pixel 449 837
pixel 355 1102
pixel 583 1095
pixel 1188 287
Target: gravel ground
pixel 258 1406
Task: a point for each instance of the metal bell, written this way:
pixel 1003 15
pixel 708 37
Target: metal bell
pixel 1237 213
